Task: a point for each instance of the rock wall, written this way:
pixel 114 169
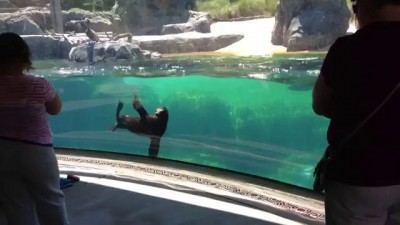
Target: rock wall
pixel 36 20
pixel 47 47
pixel 146 17
pixel 6 4
pixel 309 24
pixel 198 21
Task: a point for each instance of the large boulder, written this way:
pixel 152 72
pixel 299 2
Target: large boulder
pixel 151 46
pixel 198 21
pixel 23 25
pixel 201 21
pixel 109 50
pixel 309 24
pixel 39 15
pixel 177 28
pixel 79 53
pixel 36 20
pixel 77 26
pixel 186 42
pixel 4 4
pixel 47 47
pixel 26 21
pixel 99 22
pixel 146 17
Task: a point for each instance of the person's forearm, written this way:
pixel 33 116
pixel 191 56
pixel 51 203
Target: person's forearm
pixel 322 98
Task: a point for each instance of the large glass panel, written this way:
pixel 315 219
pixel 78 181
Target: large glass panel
pixel 235 76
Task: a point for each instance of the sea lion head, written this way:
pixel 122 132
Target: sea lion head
pixel 162 113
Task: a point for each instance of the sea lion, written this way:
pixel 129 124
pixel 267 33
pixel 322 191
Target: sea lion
pixel 153 126
pixel 91 34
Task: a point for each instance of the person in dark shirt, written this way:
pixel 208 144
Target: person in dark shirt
pixel 357 75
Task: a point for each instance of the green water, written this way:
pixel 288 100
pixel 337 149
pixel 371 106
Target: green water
pixel 251 115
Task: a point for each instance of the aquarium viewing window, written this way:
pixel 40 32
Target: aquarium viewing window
pixel 236 83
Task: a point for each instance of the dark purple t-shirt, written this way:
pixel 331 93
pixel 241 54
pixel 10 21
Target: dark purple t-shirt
pixel 362 69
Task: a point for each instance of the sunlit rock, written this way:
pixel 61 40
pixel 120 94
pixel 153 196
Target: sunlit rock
pixel 47 47
pixel 97 23
pixel 177 28
pixel 33 20
pixel 201 21
pixel 78 54
pixel 309 25
pixel 6 4
pixel 23 25
pixel 39 15
pixel 75 26
pixel 36 20
pixel 109 50
pixel 198 21
pixel 186 42
pixel 146 17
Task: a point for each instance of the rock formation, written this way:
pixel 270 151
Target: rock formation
pixel 109 50
pixel 146 17
pixel 48 47
pixel 5 4
pixel 309 24
pixel 186 42
pixel 34 24
pixel 198 21
pixel 36 20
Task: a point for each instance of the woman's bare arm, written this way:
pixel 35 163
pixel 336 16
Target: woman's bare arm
pixel 53 107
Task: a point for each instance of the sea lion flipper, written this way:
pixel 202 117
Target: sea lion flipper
pixel 137 105
pixel 117 117
pixel 154 146
pixel 120 105
pixel 114 127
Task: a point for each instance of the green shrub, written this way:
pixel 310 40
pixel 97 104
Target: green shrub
pixel 217 8
pixel 256 7
pixel 226 9
pixel 349 3
pixel 270 6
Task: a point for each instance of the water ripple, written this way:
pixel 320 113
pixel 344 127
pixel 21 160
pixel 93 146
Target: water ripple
pixel 281 69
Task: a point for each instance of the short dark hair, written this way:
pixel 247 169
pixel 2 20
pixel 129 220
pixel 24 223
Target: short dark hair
pixel 14 49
